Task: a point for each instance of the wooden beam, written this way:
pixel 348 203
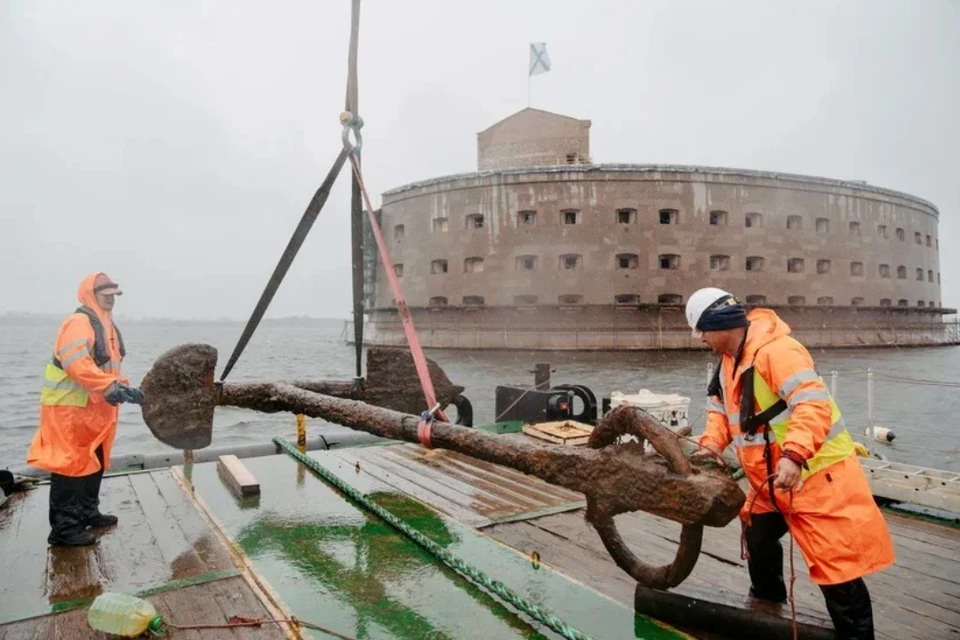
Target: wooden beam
pixel 237 477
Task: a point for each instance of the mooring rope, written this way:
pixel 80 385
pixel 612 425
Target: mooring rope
pixel 471 573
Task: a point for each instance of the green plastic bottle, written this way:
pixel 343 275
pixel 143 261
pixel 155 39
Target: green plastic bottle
pixel 123 615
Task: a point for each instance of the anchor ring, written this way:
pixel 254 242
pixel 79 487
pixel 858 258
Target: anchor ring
pixel 623 421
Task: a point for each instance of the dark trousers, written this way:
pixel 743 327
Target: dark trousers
pixel 848 603
pixel 74 501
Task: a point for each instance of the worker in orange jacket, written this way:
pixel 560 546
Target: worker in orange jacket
pixel 767 400
pixel 82 389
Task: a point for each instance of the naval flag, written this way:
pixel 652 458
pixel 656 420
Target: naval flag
pixel 539 60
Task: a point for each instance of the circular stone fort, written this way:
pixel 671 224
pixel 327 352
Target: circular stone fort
pixel 541 248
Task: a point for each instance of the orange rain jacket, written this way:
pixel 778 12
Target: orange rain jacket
pixel 833 518
pixel 75 418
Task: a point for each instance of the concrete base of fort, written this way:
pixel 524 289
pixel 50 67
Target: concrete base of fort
pixel 652 327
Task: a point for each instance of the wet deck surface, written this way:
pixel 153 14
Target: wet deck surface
pixel 162 541
pixel 213 602
pixel 335 563
pixel 475 492
pixel 918 597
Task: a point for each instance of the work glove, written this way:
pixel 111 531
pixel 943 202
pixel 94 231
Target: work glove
pixel 119 392
pixel 131 394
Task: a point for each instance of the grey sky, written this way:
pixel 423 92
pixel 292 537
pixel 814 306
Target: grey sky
pixel 176 146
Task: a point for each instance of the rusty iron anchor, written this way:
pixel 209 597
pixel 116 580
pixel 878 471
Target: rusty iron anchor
pixel 615 478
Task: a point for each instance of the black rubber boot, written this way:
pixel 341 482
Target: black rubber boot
pixel 850 609
pixel 90 499
pixel 766 557
pixel 66 518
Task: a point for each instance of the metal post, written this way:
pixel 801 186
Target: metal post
pixel 541 375
pixel 833 384
pixel 870 424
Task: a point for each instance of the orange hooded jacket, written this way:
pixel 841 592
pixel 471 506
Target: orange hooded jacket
pixel 833 518
pixel 75 418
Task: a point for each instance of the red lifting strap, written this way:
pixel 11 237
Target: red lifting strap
pixel 423 429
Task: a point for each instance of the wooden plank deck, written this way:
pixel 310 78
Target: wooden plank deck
pixel 161 542
pixel 210 603
pixel 474 492
pixel 919 597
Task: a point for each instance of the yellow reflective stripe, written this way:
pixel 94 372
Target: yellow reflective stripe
pixel 77 355
pixel 733 419
pixel 59 390
pixel 109 366
pixel 715 405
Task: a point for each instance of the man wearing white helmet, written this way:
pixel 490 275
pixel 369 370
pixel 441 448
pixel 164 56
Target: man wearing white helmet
pixel 767 400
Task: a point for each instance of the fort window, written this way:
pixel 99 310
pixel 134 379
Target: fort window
pixel 669 261
pixel 570 261
pixel 440 225
pixel 823 266
pixel 570 216
pixel 398 269
pixel 718 218
pixel 626 216
pixel 526 218
pixel 856 268
pixel 754 263
pixel 756 299
pixel 903 302
pixel 825 300
pixel 627 261
pixel 929 275
pixel 719 263
pixel 753 220
pixel 919 275
pixel 931 304
pixel 901 235
pixel 855 228
pixel 668 216
pixel 857 302
pixel 921 303
pixel 796 301
pixel 794 222
pixel 795 265
pixel 917 238
pixel 627 298
pixel 823 225
pixel 570 298
pixel 398 232
pixel 670 298
pixel 884 271
pixel 882 231
pixel 472 301
pixel 526 263
pixel 901 273
pixel 526 299
pixel 928 240
pixel 473 265
pixel 571 158
pixel 938 277
pixel 438 301
pixel 475 221
pixel 886 302
pixel 438 266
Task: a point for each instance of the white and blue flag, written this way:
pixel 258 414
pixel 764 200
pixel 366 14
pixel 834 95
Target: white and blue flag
pixel 539 60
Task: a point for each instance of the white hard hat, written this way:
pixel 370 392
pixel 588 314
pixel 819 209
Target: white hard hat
pixel 698 303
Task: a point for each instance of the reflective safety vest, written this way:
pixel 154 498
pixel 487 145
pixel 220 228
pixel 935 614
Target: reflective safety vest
pixel 775 413
pixel 58 388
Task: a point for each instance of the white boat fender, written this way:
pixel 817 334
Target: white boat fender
pixel 880 434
